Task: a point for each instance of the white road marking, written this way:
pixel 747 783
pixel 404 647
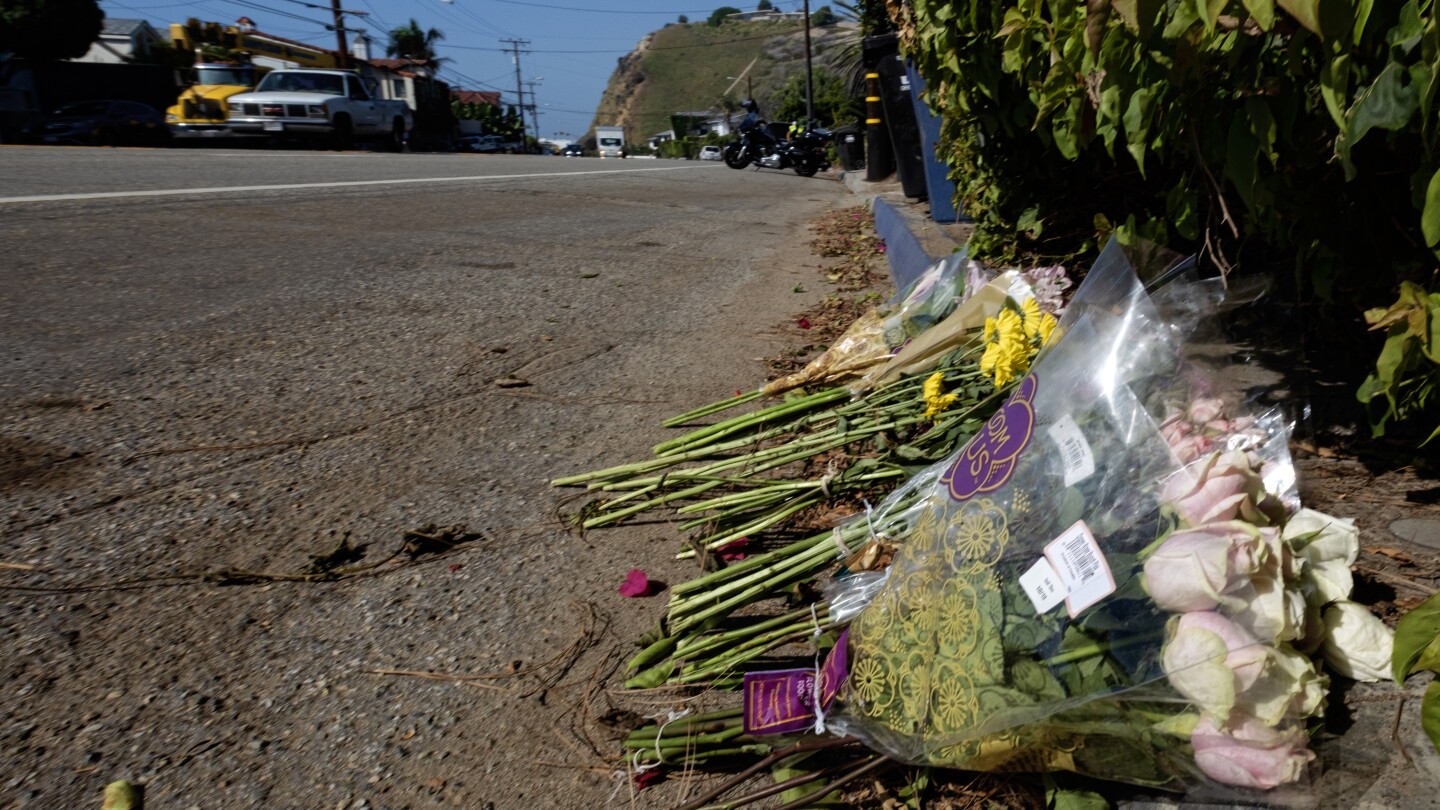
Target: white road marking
pixel 170 192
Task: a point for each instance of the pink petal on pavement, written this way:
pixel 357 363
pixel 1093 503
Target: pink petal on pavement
pixel 733 550
pixel 636 584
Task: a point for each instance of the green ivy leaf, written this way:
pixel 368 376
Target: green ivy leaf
pixel 1241 150
pixel 1136 121
pixel 1262 126
pixel 1408 28
pixel 1388 103
pixel 1263 12
pixel 1413 633
pixel 1430 217
pixel 1209 11
pixel 1362 16
pixel 1305 12
pixel 1138 15
pixel 1335 88
pixel 1430 713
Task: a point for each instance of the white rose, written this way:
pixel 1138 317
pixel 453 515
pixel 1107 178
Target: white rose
pixel 1357 644
pixel 1328 547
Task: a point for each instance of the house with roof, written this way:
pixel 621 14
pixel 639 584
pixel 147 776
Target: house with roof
pixel 120 39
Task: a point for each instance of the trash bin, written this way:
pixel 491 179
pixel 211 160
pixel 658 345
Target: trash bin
pixel 882 55
pixel 850 146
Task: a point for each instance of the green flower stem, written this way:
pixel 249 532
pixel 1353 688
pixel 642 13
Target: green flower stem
pixel 690 648
pixel 682 741
pixel 819 547
pixel 1101 648
pixel 713 407
pixel 724 665
pixel 754 527
pixel 803 569
pixel 622 471
pixel 764 416
pixel 748 749
pixel 742 568
pixel 657 651
pixel 611 517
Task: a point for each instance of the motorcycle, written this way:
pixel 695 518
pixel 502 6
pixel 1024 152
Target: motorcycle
pixel 805 153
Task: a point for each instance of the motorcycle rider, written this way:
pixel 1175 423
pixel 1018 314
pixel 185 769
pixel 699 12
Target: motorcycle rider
pixel 753 123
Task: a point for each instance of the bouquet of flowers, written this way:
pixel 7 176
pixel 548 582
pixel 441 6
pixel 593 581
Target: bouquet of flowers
pixel 871 339
pixel 1165 521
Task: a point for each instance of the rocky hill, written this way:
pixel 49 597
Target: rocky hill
pixel 694 67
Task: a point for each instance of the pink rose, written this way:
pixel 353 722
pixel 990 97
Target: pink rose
pixel 1250 754
pixel 1206 410
pixel 1211 660
pixel 1223 487
pixel 1194 569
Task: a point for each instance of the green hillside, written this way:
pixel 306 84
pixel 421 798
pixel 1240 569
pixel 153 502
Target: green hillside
pixel 686 68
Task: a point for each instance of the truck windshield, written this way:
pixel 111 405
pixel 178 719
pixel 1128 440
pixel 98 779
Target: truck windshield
pixel 326 83
pixel 225 74
pixel 609 141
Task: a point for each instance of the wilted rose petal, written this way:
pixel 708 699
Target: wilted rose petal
pixel 637 584
pixel 733 550
pixel 803 323
pixel 1250 753
pixel 646 778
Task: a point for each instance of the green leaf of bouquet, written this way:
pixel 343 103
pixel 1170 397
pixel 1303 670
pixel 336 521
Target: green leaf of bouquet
pixel 1429 657
pixel 1430 713
pixel 1415 632
pixel 1058 798
pixel 1430 217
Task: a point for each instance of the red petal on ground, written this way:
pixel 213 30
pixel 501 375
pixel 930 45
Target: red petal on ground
pixel 645 779
pixel 733 550
pixel 636 584
pixel 803 323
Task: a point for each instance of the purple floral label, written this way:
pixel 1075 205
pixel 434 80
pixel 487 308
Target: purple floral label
pixel 783 701
pixel 988 460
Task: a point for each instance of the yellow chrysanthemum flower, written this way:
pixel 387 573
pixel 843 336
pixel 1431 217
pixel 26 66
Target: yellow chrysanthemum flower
pixel 1047 328
pixel 1030 317
pixel 935 401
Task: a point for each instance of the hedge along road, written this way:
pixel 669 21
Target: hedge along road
pixel 233 383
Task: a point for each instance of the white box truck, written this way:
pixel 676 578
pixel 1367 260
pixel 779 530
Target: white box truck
pixel 610 142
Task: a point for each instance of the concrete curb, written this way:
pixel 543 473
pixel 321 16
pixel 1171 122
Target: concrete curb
pixel 913 241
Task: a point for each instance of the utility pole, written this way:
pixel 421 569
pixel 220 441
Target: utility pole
pixel 519 94
pixel 809 91
pixel 341 48
pixel 534 105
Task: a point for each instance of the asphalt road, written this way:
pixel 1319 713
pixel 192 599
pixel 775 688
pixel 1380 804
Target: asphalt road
pixel 227 361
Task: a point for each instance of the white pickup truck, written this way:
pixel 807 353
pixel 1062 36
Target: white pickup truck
pixel 334 106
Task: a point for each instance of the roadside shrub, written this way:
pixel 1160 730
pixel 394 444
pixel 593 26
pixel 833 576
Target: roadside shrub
pixel 1296 139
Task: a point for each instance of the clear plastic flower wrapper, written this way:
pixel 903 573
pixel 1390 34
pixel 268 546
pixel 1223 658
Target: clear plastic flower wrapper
pixel 871 339
pixel 1100 581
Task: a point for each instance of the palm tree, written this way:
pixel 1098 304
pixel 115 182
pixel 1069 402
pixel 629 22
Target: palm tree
pixel 409 42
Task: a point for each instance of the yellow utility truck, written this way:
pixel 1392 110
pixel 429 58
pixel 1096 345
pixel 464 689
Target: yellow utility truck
pixel 229 60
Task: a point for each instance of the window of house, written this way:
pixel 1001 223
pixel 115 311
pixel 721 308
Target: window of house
pixel 399 88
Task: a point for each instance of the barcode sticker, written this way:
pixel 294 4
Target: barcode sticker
pixel 1075 451
pixel 1043 586
pixel 1081 566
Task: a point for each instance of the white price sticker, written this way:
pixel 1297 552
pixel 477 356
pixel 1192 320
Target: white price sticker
pixel 1043 585
pixel 1075 451
pixel 1082 567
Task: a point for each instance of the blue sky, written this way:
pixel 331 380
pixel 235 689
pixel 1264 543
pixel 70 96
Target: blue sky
pixel 572 49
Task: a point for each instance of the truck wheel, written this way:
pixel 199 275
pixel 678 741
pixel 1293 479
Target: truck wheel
pixel 344 137
pixel 395 142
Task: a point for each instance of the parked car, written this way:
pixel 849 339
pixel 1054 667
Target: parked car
pixel 102 123
pixel 574 150
pixel 483 144
pixel 710 153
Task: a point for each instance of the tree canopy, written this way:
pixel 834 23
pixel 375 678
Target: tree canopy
pixel 722 14
pixel 46 30
pixel 410 42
